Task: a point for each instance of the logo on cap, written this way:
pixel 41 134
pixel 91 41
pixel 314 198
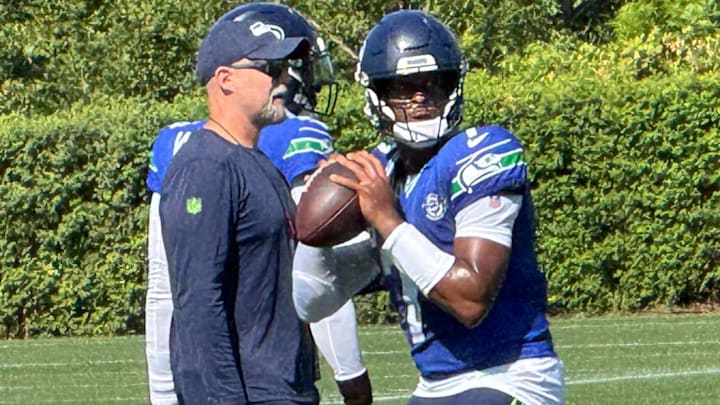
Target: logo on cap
pixel 259 28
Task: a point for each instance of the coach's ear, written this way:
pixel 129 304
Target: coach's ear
pixel 224 78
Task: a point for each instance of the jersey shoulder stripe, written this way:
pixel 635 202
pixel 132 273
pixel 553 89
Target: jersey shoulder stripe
pixel 296 145
pixel 311 137
pixel 304 145
pixel 311 122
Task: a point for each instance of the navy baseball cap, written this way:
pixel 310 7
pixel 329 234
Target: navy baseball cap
pixel 230 40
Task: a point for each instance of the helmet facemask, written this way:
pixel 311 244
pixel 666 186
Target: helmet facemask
pixel 308 77
pixel 418 109
pixel 309 72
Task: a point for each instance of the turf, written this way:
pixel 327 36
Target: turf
pixel 645 359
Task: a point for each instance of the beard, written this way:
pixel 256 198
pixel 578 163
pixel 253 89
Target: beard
pixel 272 113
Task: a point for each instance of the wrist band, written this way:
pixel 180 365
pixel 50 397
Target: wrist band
pixel 415 255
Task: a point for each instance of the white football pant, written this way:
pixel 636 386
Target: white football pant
pixel 336 337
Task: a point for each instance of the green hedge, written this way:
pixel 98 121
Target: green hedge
pixel 624 152
pixel 56 53
pixel 626 187
pixel 73 202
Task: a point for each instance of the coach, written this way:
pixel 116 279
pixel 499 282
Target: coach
pixel 227 218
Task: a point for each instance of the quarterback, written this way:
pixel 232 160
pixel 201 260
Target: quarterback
pixel 453 214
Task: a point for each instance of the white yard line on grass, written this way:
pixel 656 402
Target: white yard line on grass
pixel 630 323
pixel 611 345
pixel 709 371
pixel 79 401
pixel 47 387
pixel 48 342
pixel 376 398
pixel 66 364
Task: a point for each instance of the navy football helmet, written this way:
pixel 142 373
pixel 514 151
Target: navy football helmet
pixel 409 51
pixel 310 74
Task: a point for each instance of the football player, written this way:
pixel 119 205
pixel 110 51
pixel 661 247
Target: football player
pixel 454 215
pixel 295 146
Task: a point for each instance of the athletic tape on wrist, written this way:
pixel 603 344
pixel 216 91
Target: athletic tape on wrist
pixel 419 258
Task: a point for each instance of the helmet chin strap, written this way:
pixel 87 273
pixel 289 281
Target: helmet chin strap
pixel 420 131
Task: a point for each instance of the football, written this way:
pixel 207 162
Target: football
pixel 328 213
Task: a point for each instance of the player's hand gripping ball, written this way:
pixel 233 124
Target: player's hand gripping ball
pixel 328 213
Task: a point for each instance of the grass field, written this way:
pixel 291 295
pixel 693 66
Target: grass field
pixel 647 359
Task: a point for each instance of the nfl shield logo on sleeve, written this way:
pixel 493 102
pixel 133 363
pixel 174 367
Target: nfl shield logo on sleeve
pixel 193 205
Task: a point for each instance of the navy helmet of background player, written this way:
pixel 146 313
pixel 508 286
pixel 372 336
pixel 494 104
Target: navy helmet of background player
pixel 473 297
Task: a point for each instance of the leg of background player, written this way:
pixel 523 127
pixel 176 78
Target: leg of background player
pixel 158 314
pixel 336 337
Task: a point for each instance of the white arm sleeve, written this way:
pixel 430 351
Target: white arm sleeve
pixel 158 313
pixel 426 264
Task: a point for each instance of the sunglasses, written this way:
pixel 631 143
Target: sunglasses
pixel 272 68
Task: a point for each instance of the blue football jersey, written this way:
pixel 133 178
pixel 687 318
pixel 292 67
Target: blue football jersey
pixel 295 146
pixel 476 163
pixel 167 143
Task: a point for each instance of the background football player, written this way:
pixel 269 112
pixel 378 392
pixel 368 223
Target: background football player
pixel 454 215
pixel 295 146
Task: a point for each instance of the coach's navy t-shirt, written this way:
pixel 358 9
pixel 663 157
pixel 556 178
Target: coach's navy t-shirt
pixel 227 220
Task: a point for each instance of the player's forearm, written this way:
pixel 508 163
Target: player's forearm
pixel 465 288
pixel 385 222
pixel 461 294
pixel 469 288
pixel 417 256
